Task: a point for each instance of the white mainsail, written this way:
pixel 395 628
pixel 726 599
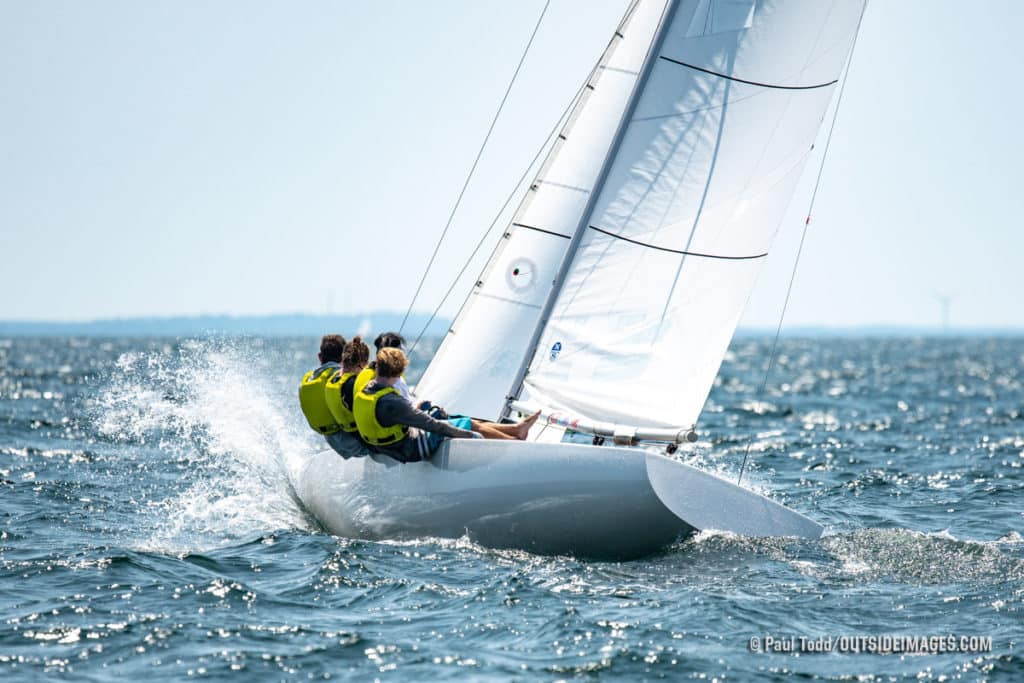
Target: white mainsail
pixel 477 362
pixel 693 196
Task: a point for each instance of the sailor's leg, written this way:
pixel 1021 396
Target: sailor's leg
pixel 491 430
pixel 507 431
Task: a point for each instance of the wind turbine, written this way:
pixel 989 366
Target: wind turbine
pixel 945 300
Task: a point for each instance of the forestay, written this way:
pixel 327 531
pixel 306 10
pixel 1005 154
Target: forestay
pixel 693 197
pixel 476 365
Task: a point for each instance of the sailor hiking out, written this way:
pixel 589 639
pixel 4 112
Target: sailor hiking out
pixel 323 418
pixel 393 427
pixel 384 340
pixel 339 392
pixel 311 391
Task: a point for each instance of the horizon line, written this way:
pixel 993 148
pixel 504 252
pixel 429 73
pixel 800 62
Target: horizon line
pixel 385 312
pixel 193 316
pixel 17 327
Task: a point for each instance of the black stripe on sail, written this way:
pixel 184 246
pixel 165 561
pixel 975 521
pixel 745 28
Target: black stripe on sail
pixel 741 80
pixel 548 232
pixel 679 251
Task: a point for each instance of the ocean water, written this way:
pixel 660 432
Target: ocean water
pixel 148 528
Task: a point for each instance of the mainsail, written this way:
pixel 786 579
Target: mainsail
pixel 659 207
pixel 692 200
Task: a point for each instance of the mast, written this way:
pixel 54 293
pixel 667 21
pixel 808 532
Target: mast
pixel 556 288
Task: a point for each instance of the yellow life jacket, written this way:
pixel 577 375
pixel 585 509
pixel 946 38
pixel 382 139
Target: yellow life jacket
pixel 364 377
pixel 314 403
pixel 372 431
pixel 334 395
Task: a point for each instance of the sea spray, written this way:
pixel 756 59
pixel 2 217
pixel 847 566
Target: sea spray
pixel 219 409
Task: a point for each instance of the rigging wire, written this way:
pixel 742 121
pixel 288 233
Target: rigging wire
pixel 483 239
pixel 803 235
pixel 472 169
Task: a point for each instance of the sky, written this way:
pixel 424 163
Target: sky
pixel 181 158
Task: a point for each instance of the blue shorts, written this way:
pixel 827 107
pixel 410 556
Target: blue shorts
pixel 433 441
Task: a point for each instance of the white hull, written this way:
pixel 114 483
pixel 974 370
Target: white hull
pixel 572 499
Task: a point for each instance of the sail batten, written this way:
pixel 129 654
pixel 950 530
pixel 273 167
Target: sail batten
pixel 682 252
pixel 737 79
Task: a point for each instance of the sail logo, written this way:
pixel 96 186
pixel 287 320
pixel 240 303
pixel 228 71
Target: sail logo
pixel 556 349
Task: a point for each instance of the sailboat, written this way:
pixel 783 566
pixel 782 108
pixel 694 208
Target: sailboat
pixel 613 294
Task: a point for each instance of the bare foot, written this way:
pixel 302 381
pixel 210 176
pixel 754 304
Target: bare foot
pixel 523 428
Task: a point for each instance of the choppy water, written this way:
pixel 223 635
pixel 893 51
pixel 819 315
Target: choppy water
pixel 148 528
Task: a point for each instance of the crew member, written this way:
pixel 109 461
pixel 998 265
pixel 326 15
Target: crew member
pixel 384 340
pixel 312 398
pixel 339 393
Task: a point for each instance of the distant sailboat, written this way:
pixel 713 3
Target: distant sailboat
pixel 612 296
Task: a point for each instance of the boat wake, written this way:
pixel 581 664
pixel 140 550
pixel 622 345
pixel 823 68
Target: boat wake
pixel 920 558
pixel 868 556
pixel 208 418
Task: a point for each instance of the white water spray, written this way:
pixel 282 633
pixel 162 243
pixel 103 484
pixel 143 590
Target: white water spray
pixel 230 421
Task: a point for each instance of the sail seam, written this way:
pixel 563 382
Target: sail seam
pixel 619 71
pixel 506 299
pixel 679 251
pixel 563 186
pixel 742 80
pixel 549 232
